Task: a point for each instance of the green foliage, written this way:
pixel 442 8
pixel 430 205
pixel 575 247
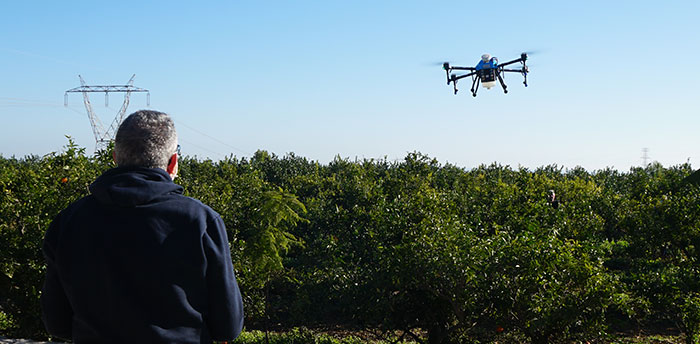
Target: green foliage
pixel 278 212
pixel 34 190
pixel 413 246
pixel 690 310
pixel 257 217
pixel 301 336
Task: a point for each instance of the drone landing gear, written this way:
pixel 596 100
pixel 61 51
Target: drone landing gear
pixel 453 79
pixel 475 83
pixel 503 84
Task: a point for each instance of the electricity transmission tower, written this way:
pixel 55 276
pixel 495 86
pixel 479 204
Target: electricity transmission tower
pixel 104 137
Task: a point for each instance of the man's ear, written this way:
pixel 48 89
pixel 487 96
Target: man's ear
pixel 172 166
pixel 114 156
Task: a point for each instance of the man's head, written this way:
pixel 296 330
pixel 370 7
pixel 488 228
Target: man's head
pixel 147 139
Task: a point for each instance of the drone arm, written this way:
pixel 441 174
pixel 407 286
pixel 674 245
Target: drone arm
pixel 455 78
pixel 463 68
pixel 523 58
pixel 522 71
pixel 511 62
pixel 446 66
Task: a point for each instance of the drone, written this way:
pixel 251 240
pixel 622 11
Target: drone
pixel 486 72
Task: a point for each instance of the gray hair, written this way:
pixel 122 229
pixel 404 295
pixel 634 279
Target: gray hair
pixel 147 139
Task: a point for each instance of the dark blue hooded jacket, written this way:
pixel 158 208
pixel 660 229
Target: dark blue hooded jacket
pixel 138 262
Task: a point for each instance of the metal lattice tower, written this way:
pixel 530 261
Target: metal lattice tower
pixel 645 157
pixel 104 137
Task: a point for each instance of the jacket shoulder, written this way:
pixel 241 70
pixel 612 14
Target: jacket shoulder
pixel 193 203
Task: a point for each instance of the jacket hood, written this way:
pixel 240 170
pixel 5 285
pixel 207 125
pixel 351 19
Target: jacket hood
pixel 132 186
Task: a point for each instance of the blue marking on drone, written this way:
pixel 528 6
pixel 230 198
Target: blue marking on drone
pixel 492 63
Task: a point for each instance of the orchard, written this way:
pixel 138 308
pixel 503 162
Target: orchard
pixel 435 252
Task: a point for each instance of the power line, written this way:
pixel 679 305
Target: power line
pixel 22 102
pixel 7 101
pixel 49 58
pixel 201 147
pixel 75 110
pixel 213 138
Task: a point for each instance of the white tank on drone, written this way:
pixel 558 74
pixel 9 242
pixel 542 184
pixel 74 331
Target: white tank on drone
pixel 488 84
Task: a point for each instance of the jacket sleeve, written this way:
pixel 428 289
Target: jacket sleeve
pixel 57 312
pixel 225 318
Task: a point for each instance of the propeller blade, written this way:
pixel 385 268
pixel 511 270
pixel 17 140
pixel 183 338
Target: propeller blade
pixel 441 63
pixel 445 65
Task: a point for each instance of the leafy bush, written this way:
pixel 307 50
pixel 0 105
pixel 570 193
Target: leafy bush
pixel 411 246
pixel 690 311
pixel 298 336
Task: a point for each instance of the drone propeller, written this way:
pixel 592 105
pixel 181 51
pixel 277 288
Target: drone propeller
pixel 439 63
pixel 532 52
pixel 529 53
pixel 445 65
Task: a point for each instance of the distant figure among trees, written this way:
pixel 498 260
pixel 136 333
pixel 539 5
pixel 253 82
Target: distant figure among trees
pixel 552 199
pixel 136 261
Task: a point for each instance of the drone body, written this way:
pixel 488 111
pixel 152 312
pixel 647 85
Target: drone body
pixel 486 72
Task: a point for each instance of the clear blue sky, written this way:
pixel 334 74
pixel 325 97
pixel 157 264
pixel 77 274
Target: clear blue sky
pixel 358 79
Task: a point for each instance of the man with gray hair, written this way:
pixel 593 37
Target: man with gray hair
pixel 136 261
